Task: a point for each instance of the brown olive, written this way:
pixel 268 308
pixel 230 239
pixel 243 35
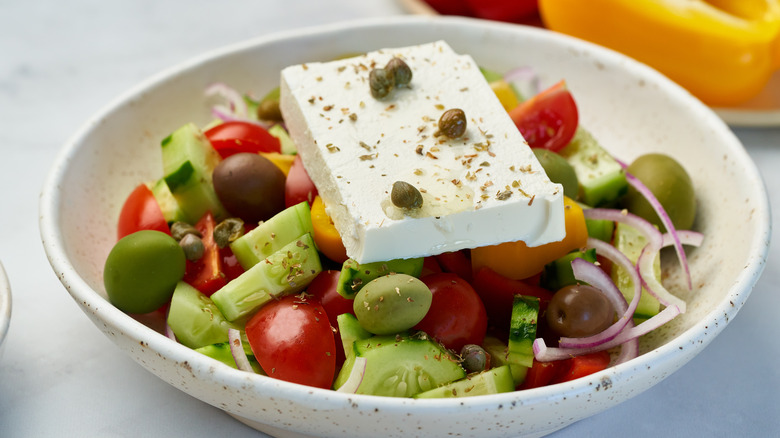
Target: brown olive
pixel 578 311
pixel 249 186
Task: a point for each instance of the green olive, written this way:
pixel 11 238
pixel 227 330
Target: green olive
pixel 670 184
pixel 559 171
pixel 142 271
pixel 392 303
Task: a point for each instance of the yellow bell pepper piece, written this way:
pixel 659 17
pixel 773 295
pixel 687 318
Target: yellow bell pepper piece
pixel 517 261
pixel 722 51
pixel 282 161
pixel 506 95
pixel 326 236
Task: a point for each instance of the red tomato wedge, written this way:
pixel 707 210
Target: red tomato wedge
pixel 457 316
pixel 299 186
pixel 292 341
pixel 504 10
pixel 324 289
pixel 232 137
pixel 141 212
pixel 497 293
pixel 549 119
pixel 207 274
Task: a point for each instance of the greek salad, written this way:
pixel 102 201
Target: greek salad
pixel 236 249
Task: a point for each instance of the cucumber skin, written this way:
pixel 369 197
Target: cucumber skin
pixel 499 353
pixel 221 352
pixel 285 272
pixel 355 275
pixel 273 234
pixel 405 354
pixel 630 243
pixel 559 274
pixel 492 381
pixel 602 179
pixel 522 331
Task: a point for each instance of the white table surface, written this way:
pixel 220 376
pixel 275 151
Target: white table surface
pixel 61 61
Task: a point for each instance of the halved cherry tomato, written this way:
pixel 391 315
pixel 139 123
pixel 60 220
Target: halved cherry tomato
pixel 326 236
pixel 430 266
pixel 498 292
pixel 230 265
pixel 141 212
pixel 581 366
pixel 206 274
pixel 232 137
pixel 457 316
pixel 323 288
pixel 456 262
pixel 299 186
pixel 292 341
pixel 451 7
pixel 549 119
pixel 541 374
pixel 513 11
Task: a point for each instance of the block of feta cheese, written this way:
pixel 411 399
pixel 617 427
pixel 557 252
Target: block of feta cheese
pixel 482 188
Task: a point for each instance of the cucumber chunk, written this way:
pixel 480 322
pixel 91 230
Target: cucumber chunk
pixel 272 235
pixel 168 204
pixel 350 331
pixel 287 145
pixel 221 352
pixel 630 242
pixel 602 179
pixel 284 272
pixel 499 356
pixel 522 330
pixel 355 275
pixel 559 274
pixel 196 321
pixel 492 381
pixel 188 162
pixel 402 366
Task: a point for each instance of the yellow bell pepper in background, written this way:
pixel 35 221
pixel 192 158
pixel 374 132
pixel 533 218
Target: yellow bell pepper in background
pixel 517 261
pixel 722 51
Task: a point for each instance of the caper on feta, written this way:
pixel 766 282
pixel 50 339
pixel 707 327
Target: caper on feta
pixel 381 82
pixel 405 195
pixel 400 71
pixel 453 123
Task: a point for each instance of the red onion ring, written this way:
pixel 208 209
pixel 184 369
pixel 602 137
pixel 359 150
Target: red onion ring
pixel 237 350
pixel 169 333
pixel 355 376
pixel 542 353
pixel 236 104
pixel 525 78
pixel 650 232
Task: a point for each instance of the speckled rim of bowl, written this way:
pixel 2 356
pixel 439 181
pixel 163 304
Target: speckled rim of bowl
pixel 5 305
pixel 663 357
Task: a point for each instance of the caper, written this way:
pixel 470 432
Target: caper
pixel 181 229
pixel 227 231
pixel 400 71
pixel 192 246
pixel 381 82
pixel 392 303
pixel 405 195
pixel 453 123
pixel 475 358
pixel 268 109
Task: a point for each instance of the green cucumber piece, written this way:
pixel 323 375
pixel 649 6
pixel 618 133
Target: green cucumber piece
pixel 350 331
pixel 492 381
pixel 602 179
pixel 168 204
pixel 272 235
pixel 522 330
pixel 221 352
pixel 284 272
pixel 558 274
pixel 355 275
pixel 196 321
pixel 402 366
pixel 188 162
pixel 630 242
pixel 499 353
pixel 287 145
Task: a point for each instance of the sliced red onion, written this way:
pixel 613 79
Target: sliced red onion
pixel 651 233
pixel 589 273
pixel 542 353
pixel 237 350
pixel 628 349
pixel 646 265
pixel 235 101
pixel 666 220
pixel 526 79
pixel 355 376
pixel 686 237
pixel 169 332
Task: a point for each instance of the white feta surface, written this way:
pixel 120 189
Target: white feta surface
pixel 483 188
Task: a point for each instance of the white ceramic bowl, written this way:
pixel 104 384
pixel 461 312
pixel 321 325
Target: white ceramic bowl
pixel 5 306
pixel 630 108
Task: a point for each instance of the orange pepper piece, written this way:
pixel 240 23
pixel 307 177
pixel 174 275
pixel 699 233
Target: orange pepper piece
pixel 326 236
pixel 518 261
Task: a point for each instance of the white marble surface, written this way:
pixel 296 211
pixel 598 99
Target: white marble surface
pixel 59 376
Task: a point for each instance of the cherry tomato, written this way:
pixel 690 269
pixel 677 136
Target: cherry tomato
pixel 292 341
pixel 513 11
pixel 298 187
pixel 141 212
pixel 541 374
pixel 207 274
pixel 581 366
pixel 549 119
pixel 323 288
pixel 456 262
pixel 497 293
pixel 451 7
pixel 430 266
pixel 232 137
pixel 457 316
